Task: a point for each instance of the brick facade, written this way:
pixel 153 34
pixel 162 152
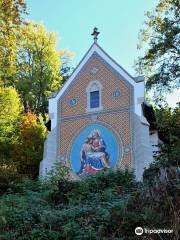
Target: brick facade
pixel 115 113
pixel 119 119
pixel 110 82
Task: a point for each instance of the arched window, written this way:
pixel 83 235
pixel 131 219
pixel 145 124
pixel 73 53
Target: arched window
pixel 94 96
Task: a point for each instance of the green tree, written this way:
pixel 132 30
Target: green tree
pixel 168 124
pixel 38 67
pixel 161 34
pixel 10 114
pixel 28 152
pixel 66 67
pixel 10 21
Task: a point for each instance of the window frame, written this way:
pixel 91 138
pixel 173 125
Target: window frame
pixel 93 86
pixel 94 99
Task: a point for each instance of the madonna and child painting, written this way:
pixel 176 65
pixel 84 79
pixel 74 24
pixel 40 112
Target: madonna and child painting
pixel 94 149
pixel 93 155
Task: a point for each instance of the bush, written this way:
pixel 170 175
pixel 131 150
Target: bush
pixel 28 152
pixel 109 205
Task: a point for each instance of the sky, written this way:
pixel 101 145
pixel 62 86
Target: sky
pixel 119 23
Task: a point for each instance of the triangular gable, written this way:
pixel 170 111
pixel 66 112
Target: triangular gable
pixel 96 48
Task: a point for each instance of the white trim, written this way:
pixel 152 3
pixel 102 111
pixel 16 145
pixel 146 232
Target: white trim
pixel 53 112
pixel 92 110
pixel 138 87
pixel 98 50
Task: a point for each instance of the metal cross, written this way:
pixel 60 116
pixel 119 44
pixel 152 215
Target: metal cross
pixel 95 34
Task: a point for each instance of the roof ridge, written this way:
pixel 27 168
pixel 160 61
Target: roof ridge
pixel 95 44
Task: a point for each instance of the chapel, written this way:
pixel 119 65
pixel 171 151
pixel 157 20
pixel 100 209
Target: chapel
pixel 99 120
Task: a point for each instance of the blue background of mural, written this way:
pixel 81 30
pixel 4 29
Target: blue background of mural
pixel 108 137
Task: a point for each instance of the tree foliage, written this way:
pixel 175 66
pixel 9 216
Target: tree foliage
pixel 31 65
pixel 161 61
pixel 168 124
pixel 38 67
pixel 10 113
pixel 106 206
pixel 28 152
pixel 10 27
pixel 29 59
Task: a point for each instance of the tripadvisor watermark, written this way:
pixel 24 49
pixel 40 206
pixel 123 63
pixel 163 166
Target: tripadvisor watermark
pixel 139 231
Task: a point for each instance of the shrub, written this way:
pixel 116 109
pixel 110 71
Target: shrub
pixel 109 205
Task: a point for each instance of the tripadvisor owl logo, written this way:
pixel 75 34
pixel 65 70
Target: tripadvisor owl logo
pixel 138 230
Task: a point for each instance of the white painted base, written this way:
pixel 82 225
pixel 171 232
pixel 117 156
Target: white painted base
pixel 143 155
pixel 50 153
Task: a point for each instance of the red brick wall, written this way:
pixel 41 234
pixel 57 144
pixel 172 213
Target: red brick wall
pixel 110 81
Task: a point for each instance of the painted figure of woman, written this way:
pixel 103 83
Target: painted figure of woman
pixel 99 145
pixel 93 156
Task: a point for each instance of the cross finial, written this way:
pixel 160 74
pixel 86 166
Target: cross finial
pixel 95 34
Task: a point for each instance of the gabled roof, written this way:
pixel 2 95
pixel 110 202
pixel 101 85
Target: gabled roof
pixel 95 48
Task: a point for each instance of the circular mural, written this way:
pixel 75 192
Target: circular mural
pixel 94 149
